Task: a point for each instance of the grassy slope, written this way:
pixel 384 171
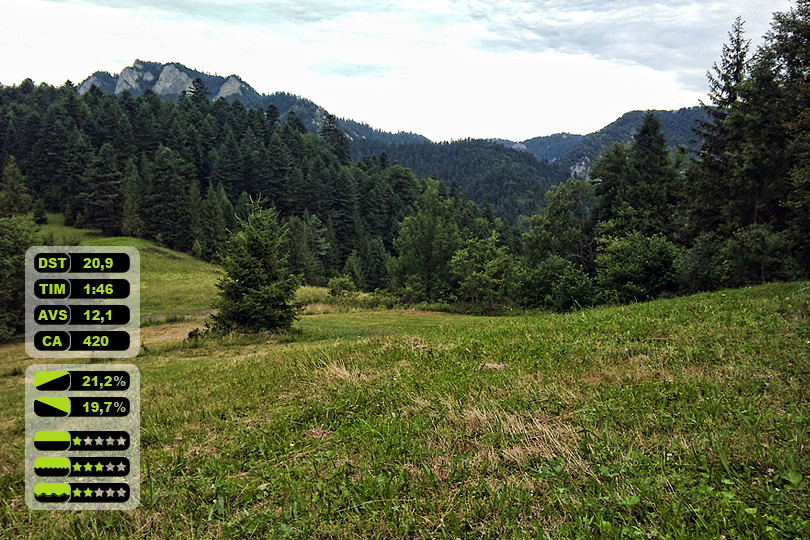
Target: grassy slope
pixel 172 283
pixel 678 418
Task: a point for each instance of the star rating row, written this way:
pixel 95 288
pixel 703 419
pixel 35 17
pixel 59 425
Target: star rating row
pixel 99 493
pixel 100 467
pixel 99 441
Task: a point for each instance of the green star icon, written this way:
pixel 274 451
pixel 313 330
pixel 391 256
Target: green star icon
pixel 77 441
pixel 77 492
pixel 88 492
pixel 99 466
pixel 77 467
pixel 88 466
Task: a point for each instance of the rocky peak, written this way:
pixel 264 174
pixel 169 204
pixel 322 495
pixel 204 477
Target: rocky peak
pixel 168 81
pixel 172 81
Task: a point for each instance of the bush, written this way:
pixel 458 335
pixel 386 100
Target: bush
pixel 572 289
pixel 698 267
pixel 756 254
pixel 635 266
pixel 555 283
pixel 341 286
pixel 484 272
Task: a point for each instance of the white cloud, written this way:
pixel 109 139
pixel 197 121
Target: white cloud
pixel 448 69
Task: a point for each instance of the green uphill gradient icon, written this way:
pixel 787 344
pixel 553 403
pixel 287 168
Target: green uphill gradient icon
pixel 52 406
pixel 52 441
pixel 52 492
pixel 52 380
pixel 52 466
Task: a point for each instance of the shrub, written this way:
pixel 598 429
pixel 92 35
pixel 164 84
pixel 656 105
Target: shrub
pixel 484 272
pixel 756 254
pixel 341 286
pixel 555 283
pixel 635 266
pixel 698 267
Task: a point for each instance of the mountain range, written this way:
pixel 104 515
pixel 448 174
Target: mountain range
pixel 482 169
pixel 168 80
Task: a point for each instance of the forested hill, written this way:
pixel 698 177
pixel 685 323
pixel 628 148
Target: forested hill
pixel 511 182
pixel 574 155
pixel 678 128
pixel 511 178
pixel 169 80
pixel 179 173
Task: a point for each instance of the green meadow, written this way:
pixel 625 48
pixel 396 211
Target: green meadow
pixel 679 418
pixel 173 285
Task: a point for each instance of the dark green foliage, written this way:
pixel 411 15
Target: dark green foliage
pixel 698 267
pixel 166 206
pixel 485 273
pixel 353 269
pixel 336 139
pixel 132 188
pixel 341 286
pixel 511 181
pixel 100 199
pixel 636 267
pixel 272 115
pixel 198 93
pixel 426 244
pixel 756 254
pixel 566 226
pixel 374 259
pixel 609 174
pixel 15 198
pixel 256 293
pixel 309 247
pixel 555 283
pixel 638 185
pixel 17 234
pixel 39 214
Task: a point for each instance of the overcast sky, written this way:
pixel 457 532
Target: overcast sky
pixel 447 69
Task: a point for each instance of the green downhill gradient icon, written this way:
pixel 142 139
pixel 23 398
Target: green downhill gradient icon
pixel 52 380
pixel 52 406
pixel 52 466
pixel 52 492
pixel 52 441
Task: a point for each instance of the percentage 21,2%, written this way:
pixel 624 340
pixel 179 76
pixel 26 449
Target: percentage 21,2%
pixel 107 381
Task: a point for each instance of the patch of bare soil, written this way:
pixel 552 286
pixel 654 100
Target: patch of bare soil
pixel 168 333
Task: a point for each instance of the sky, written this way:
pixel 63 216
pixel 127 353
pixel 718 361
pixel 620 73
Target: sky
pixel 447 69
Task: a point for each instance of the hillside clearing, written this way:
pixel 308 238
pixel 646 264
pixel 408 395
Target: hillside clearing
pixel 676 418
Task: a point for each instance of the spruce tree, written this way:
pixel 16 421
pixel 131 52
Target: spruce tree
pixel 17 234
pixel 15 200
pixel 272 117
pixel 709 175
pixel 651 190
pixel 165 206
pixel 131 222
pixel 101 197
pixel 257 291
pixel 336 139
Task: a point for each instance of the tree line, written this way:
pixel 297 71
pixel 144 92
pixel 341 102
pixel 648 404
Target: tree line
pixel 649 221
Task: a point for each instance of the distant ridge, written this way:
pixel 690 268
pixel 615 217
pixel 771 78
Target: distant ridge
pixel 574 155
pixel 168 80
